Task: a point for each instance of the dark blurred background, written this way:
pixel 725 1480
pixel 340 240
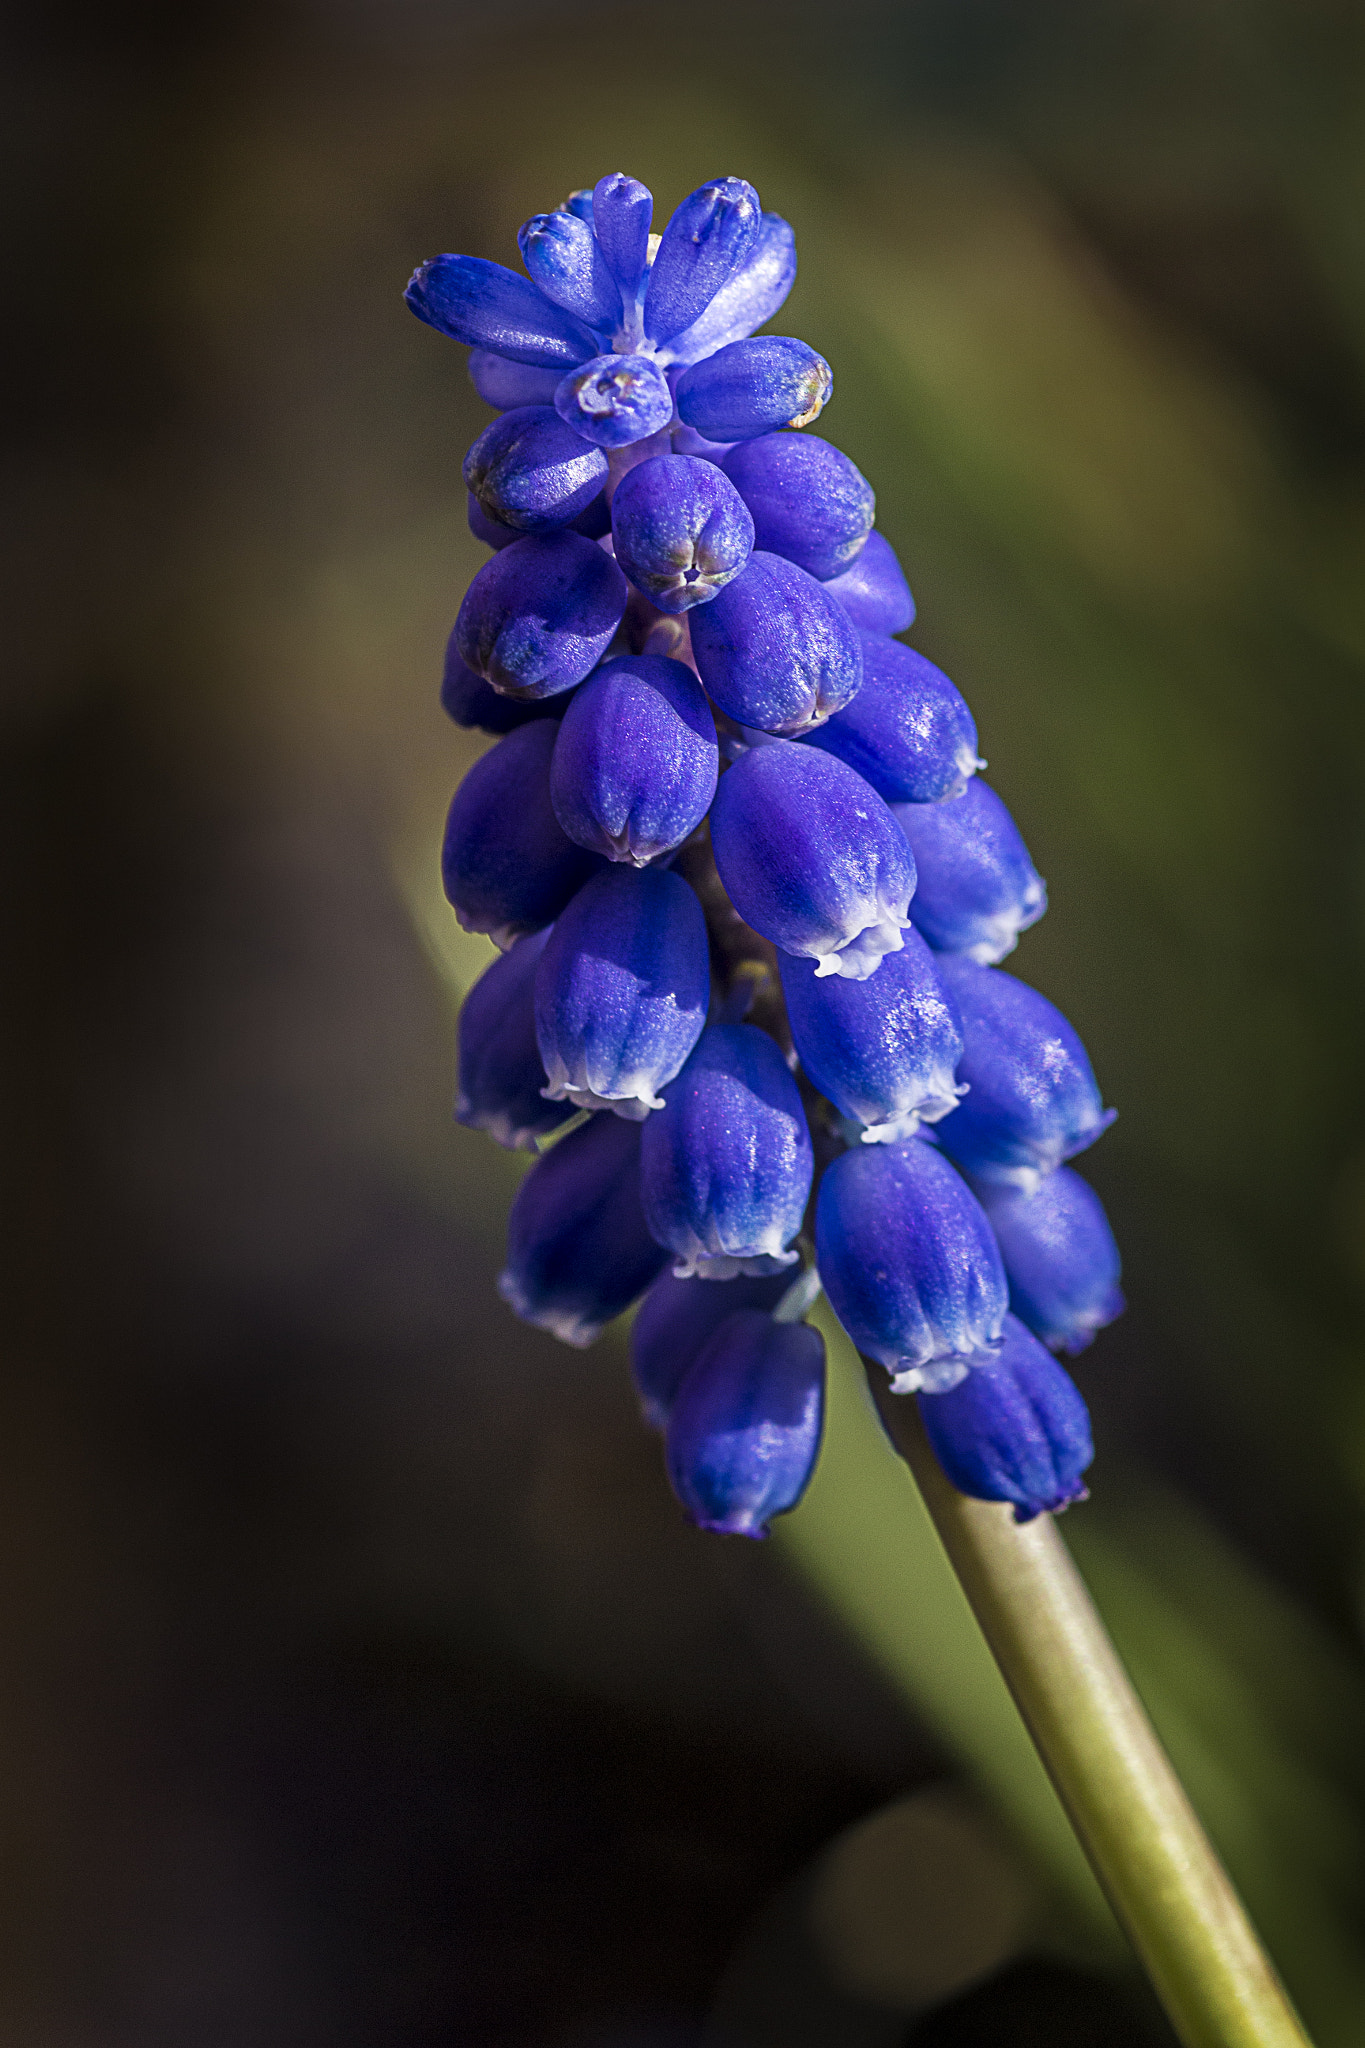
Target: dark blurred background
pixel 360 1681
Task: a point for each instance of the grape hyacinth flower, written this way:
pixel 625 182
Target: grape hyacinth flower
pixel 910 1264
pixel 635 765
pixel 884 1050
pixel 1032 1100
pixel 813 859
pixel 471 702
pixel 1060 1257
pixel 743 981
pixel 621 991
pixel 808 501
pixel 684 642
pixel 743 1432
pixel 507 865
pixel 578 1248
pixel 676 1320
pixel 774 650
pixel 977 887
pixel 726 1163
pixel 541 614
pixel 680 530
pixel 908 731
pixel 530 472
pixel 502 1076
pixel 874 591
pixel 1016 1429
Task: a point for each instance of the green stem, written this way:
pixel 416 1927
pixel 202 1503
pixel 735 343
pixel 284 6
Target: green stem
pixel 1129 1810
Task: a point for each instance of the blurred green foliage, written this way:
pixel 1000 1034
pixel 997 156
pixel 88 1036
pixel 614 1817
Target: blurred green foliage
pixel 1092 286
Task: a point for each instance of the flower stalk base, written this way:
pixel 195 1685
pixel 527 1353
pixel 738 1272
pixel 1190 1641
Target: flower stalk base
pixel 1147 1848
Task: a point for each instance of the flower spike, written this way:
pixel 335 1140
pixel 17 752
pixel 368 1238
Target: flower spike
pixel 734 836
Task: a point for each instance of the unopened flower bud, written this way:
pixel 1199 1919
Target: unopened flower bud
pixel 635 765
pixel 502 1077
pixel 1060 1258
pixel 1032 1100
pixel 708 239
pixel 744 1432
pixel 754 293
pixel 885 1050
pixel 563 256
pixel 1014 1429
pixel 812 858
pixel 910 1263
pixel 492 308
pixel 615 400
pixel 621 210
pixel 754 387
pixel 578 1249
pixel 727 1162
pixel 507 865
pixel 540 615
pixel 675 1321
pixel 621 990
pixel 977 887
pixel 908 731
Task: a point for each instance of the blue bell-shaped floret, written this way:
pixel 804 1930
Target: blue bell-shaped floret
pixel 709 238
pixel 727 1162
pixel 540 615
pixel 578 1249
pixel 1060 1258
pixel 874 591
pixel 1032 1100
pixel 910 1263
pixel 1015 1429
pixel 615 400
pixel 635 764
pixel 621 210
pixel 677 1318
pixel 754 387
pixel 568 265
pixel 884 1051
pixel 680 530
pixel 754 293
pixel 774 649
pixel 532 473
pixel 908 731
pixel 809 502
pixel 744 1432
pixel 977 887
pixel 502 1076
pixel 492 308
pixel 507 864
pixel 812 858
pixel 622 990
